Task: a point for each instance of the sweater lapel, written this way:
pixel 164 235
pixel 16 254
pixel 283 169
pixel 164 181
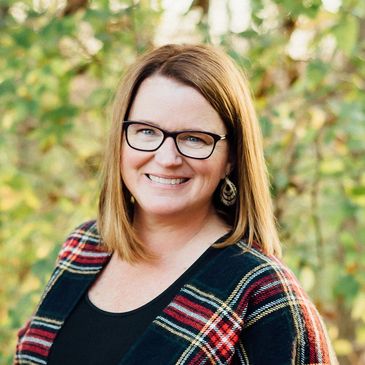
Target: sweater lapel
pixel 199 325
pixel 79 263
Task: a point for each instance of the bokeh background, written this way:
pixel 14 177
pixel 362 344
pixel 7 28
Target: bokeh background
pixel 60 61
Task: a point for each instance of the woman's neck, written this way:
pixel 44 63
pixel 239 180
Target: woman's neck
pixel 166 237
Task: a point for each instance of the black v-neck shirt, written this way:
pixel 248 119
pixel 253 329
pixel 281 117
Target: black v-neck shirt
pixel 92 336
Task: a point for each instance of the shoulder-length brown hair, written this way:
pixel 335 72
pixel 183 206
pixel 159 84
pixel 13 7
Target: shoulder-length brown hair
pixel 224 86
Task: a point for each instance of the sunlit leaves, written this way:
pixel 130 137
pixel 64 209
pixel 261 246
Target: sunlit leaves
pixel 346 32
pixel 58 77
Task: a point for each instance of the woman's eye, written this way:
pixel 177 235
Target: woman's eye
pixel 146 131
pixel 196 140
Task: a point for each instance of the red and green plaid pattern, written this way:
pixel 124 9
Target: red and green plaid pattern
pixel 214 329
pixel 79 261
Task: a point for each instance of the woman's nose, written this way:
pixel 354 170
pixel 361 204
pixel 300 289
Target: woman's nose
pixel 167 154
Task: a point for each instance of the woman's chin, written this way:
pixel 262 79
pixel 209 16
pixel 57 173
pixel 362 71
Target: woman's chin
pixel 163 209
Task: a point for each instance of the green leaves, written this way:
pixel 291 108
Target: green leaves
pixel 317 70
pixel 346 32
pixel 347 287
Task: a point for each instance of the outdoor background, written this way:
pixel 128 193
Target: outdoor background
pixel 60 62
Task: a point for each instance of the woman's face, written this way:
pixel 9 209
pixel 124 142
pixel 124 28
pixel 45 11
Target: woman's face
pixel 164 182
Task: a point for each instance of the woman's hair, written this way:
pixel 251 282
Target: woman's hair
pixel 224 86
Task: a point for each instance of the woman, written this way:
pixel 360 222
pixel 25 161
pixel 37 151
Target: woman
pixel 181 265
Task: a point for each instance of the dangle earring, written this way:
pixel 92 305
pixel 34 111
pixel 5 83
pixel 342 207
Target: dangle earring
pixel 228 192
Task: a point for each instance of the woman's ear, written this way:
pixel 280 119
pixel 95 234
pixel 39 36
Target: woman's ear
pixel 228 169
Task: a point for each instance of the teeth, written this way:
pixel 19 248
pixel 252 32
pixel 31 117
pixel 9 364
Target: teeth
pixel 162 180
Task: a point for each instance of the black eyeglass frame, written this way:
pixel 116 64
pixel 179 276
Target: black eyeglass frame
pixel 173 135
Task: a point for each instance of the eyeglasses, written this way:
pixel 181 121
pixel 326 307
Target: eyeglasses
pixel 189 143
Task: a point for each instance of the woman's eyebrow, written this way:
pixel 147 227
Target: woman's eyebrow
pixel 154 124
pixel 145 122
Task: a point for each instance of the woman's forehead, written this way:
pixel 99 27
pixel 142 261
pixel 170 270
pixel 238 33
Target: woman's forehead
pixel 172 105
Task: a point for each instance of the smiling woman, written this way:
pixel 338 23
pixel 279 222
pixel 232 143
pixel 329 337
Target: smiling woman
pixel 182 265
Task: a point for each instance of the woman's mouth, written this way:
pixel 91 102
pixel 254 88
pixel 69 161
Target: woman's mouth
pixel 166 181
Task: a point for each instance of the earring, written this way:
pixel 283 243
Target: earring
pixel 228 192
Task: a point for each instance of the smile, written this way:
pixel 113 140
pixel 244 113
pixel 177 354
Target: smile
pixel 162 180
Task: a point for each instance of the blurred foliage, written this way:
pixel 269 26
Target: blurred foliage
pixel 60 64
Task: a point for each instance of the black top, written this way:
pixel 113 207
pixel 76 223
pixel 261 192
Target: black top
pixel 112 333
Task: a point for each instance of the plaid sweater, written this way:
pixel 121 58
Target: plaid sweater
pixel 243 307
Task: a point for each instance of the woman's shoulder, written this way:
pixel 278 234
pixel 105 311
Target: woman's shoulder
pixel 251 257
pixel 84 240
pixel 86 230
pixel 254 269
